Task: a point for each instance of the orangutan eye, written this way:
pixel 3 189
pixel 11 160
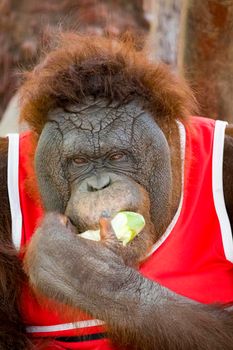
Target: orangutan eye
pixel 117 156
pixel 80 160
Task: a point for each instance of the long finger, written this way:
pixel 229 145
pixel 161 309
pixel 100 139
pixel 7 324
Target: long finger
pixel 107 233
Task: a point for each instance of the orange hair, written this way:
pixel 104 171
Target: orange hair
pixel 82 66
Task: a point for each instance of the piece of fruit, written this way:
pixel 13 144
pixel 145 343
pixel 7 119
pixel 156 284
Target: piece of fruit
pixel 126 225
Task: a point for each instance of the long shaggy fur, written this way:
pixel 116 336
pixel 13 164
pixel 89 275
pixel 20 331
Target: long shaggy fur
pixel 12 333
pixel 78 67
pixel 82 66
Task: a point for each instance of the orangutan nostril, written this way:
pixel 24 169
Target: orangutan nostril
pixel 99 182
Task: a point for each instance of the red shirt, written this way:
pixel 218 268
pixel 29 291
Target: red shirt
pixel 194 256
pixel 193 261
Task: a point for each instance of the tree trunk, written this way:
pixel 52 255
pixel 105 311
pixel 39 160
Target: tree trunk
pixel 164 18
pixel 206 54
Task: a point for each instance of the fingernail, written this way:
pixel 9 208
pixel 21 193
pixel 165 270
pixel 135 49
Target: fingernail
pixel 105 214
pixel 63 220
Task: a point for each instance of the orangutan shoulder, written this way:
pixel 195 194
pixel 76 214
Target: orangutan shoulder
pixel 228 171
pixel 5 216
pixel 3 167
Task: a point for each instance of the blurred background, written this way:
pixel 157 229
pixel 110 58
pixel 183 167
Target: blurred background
pixel 194 37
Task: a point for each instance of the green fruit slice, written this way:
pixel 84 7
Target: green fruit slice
pixel 126 225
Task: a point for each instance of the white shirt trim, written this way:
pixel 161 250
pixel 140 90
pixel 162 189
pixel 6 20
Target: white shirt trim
pixel 64 327
pixel 13 188
pixel 217 187
pixel 16 217
pixel 176 217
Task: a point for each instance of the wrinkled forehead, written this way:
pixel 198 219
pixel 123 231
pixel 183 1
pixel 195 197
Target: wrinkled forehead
pixel 101 126
pixel 96 115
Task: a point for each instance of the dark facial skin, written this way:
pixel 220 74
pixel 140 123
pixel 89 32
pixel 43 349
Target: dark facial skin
pixel 96 163
pixel 94 159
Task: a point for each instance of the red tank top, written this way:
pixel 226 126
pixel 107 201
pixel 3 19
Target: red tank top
pixel 193 258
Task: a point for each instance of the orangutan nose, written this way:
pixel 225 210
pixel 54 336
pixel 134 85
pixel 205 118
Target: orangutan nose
pixel 98 182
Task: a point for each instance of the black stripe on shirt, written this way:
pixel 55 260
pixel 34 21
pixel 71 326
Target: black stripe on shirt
pixel 82 338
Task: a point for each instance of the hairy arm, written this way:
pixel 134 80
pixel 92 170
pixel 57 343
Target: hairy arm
pixel 228 172
pixel 11 274
pixel 140 313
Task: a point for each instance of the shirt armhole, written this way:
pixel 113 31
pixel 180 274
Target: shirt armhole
pixel 217 186
pixel 13 189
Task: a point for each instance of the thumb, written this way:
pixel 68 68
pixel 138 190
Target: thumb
pixel 107 233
